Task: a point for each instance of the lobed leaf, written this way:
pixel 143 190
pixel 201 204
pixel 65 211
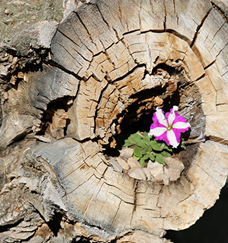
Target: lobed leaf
pixel 146 137
pixel 165 154
pixel 142 162
pixel 152 157
pixel 168 148
pixel 148 149
pixel 160 159
pixel 140 142
pixel 128 143
pixel 137 152
pixel 155 145
pixel 146 156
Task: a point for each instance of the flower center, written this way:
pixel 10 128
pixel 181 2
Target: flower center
pixel 170 127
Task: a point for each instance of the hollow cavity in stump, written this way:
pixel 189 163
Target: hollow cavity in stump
pixel 175 88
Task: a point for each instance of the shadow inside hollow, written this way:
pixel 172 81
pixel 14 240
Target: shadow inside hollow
pixel 211 228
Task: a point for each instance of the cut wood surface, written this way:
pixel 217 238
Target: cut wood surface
pixel 109 65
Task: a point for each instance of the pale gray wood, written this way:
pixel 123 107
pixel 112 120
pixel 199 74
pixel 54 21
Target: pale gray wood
pixel 64 112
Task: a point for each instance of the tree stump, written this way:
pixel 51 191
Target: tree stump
pixel 110 64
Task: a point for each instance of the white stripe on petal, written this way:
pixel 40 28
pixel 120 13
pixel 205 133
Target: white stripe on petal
pixel 161 117
pixel 171 117
pixel 181 125
pixel 157 131
pixel 172 138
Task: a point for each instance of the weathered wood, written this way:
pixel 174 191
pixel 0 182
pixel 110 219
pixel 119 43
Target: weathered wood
pixel 109 64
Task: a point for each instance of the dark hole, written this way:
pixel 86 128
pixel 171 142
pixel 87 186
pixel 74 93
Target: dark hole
pixel 53 106
pixel 165 67
pixel 186 97
pixel 142 125
pixel 130 124
pixel 54 223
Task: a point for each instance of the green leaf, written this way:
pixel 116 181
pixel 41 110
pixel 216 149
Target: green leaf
pixel 148 149
pixel 146 137
pixel 155 145
pixel 143 152
pixel 160 159
pixel 139 134
pixel 146 156
pixel 137 152
pixel 142 162
pixel 152 157
pixel 165 154
pixel 140 142
pixel 183 146
pixel 168 148
pixel 137 158
pixel 128 143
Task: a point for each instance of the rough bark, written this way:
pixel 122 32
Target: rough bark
pixel 73 89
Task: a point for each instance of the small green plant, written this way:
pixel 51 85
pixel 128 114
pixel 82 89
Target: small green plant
pixel 164 135
pixel 147 148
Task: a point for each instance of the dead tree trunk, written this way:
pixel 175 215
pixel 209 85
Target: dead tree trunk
pixel 65 107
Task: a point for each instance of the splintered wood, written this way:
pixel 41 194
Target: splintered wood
pixel 112 62
pixel 123 76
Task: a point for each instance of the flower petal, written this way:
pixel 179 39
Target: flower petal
pixel 157 131
pixel 174 138
pixel 177 134
pixel 171 116
pixel 179 118
pixel 168 127
pixel 156 124
pixel 163 137
pixel 159 117
pixel 181 126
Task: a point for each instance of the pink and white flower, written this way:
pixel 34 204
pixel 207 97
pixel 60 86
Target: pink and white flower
pixel 168 127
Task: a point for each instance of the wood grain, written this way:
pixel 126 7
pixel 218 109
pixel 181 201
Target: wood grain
pixel 112 62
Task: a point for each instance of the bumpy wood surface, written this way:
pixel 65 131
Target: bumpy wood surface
pixel 108 61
